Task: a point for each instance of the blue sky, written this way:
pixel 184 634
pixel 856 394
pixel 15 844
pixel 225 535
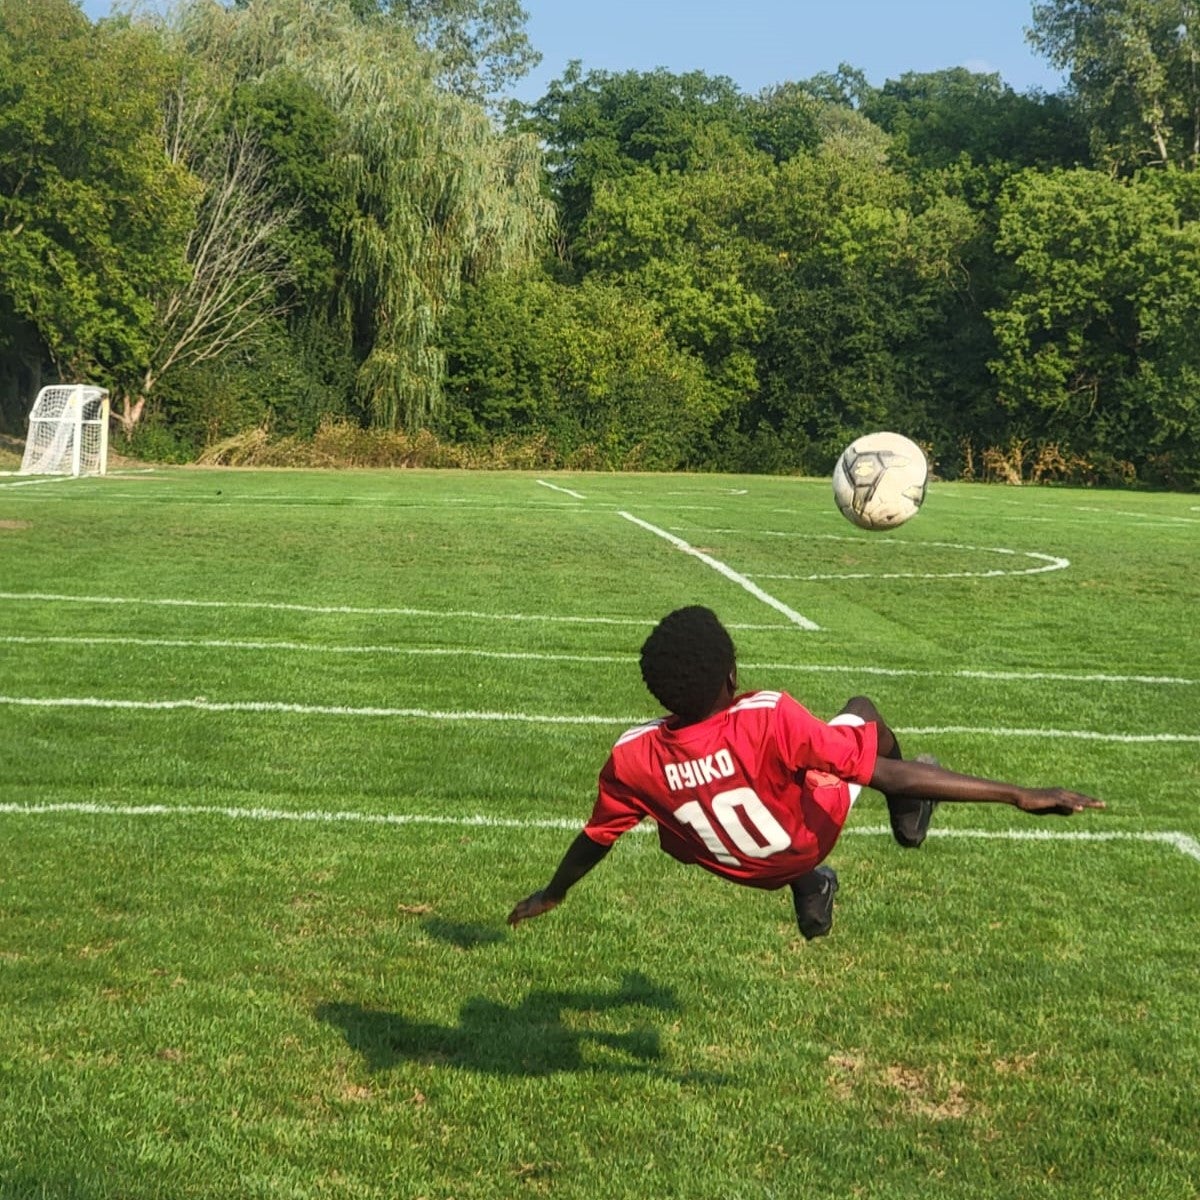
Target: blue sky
pixel 762 42
pixel 758 43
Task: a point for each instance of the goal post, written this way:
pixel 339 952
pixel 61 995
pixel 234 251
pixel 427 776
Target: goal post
pixel 68 432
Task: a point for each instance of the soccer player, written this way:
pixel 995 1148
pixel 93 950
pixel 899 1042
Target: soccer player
pixel 754 788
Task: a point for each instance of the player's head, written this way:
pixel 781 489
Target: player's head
pixel 687 661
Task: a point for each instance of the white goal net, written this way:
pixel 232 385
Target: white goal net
pixel 68 432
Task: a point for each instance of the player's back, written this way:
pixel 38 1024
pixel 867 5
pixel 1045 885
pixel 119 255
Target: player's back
pixel 755 793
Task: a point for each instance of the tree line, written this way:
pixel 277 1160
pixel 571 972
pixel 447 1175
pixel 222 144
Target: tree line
pixel 278 215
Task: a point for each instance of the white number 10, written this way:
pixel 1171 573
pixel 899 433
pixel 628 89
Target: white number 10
pixel 735 810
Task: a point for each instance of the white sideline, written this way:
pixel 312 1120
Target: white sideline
pixel 728 572
pixel 1182 842
pixel 202 704
pixel 547 656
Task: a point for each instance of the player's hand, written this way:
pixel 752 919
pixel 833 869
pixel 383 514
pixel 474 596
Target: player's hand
pixel 1043 802
pixel 532 906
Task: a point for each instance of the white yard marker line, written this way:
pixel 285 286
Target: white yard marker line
pixel 282 814
pixel 968 673
pixel 312 648
pixel 551 657
pixel 203 704
pixel 1153 518
pixel 1184 843
pixel 1086 735
pixel 566 491
pixel 727 572
pixel 348 609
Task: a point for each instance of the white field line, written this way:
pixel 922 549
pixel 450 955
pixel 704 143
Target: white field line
pixel 203 704
pixel 43 479
pixel 1182 842
pixel 347 609
pixel 727 572
pixel 70 478
pixel 201 498
pixel 554 487
pixel 1085 735
pixel 222 501
pixel 548 657
pixel 1120 512
pixel 312 648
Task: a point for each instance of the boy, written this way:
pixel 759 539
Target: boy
pixel 754 788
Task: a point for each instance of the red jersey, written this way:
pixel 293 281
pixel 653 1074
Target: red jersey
pixel 756 793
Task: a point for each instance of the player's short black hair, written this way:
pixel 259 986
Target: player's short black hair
pixel 686 660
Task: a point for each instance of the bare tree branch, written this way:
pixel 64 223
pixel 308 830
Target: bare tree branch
pixel 237 271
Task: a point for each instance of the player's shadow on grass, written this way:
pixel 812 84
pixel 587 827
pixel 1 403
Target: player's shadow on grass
pixel 463 934
pixel 529 1038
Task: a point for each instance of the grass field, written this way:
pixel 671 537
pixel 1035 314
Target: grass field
pixel 281 749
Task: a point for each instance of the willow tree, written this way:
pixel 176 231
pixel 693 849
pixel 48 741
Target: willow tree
pixel 435 194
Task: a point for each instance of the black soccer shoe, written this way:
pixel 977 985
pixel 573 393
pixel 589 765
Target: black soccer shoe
pixel 812 896
pixel 910 818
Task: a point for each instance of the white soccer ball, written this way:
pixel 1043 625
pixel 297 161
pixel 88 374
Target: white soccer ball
pixel 879 481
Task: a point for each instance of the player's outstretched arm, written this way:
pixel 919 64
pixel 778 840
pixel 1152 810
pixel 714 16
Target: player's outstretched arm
pixel 581 856
pixel 907 779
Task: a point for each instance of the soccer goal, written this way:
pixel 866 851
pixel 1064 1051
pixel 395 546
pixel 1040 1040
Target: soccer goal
pixel 68 432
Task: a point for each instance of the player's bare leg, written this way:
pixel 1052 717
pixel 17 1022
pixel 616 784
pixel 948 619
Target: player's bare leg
pixel 909 818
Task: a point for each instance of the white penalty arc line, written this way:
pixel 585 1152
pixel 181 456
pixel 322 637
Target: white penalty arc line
pixel 728 572
pixel 202 704
pixel 1182 842
pixel 1050 562
pixel 552 657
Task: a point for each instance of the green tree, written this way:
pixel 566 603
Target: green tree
pixel 784 120
pixel 1135 69
pixel 429 192
pixel 682 244
pixel 862 277
pixel 939 118
pixel 600 125
pixel 1094 344
pixel 481 45
pixel 586 365
pixel 93 216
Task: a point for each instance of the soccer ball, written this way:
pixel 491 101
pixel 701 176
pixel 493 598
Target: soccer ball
pixel 879 481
